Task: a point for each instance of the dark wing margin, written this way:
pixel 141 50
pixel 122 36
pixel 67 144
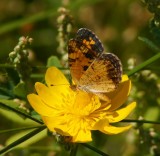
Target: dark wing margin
pixel 115 72
pixel 84 34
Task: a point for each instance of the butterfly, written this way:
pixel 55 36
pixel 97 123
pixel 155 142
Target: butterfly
pixel 91 69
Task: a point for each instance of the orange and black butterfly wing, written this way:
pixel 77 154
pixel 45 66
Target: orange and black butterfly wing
pixel 82 51
pixel 103 75
pixel 90 40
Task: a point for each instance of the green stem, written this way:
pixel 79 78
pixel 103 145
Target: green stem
pixel 141 121
pixel 144 64
pixel 74 150
pixel 19 129
pixel 6 66
pixel 37 17
pixel 22 139
pixel 35 76
pixel 34 67
pixel 94 149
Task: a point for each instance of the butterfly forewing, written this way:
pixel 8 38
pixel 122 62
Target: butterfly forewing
pixel 88 38
pixel 80 58
pixel 82 51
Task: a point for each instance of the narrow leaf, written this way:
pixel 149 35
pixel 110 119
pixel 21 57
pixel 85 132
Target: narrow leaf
pixel 149 43
pixel 12 106
pixel 22 139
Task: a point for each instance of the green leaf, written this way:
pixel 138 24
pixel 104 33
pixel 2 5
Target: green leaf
pixel 4 97
pixel 11 130
pixel 22 139
pixel 8 103
pixel 144 64
pixel 14 107
pixel 20 90
pixel 54 61
pixel 32 140
pixel 16 118
pixel 149 43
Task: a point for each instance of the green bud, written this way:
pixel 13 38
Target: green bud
pixel 12 54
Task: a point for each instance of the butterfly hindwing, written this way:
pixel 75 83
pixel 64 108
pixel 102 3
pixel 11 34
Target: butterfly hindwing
pixel 103 75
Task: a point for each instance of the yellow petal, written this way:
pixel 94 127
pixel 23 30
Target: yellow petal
pixel 56 81
pixel 82 136
pixel 115 130
pixel 85 103
pixel 39 106
pixel 55 77
pixel 104 127
pixel 124 78
pixel 68 127
pixel 56 124
pixel 53 125
pixel 121 113
pixel 100 124
pixel 119 96
pixel 50 122
pixel 49 98
pixel 62 132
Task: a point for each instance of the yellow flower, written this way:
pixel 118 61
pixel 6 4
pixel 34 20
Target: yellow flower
pixel 76 113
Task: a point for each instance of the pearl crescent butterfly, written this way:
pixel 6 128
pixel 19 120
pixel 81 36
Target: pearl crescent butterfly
pixel 91 69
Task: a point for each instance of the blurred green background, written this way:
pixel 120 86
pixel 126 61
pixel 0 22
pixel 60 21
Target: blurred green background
pixel 118 24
